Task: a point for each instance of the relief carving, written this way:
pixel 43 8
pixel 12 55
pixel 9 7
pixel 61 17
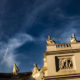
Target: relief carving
pixel 63 63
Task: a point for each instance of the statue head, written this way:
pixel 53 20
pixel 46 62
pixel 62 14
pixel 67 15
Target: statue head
pixel 49 37
pixel 35 65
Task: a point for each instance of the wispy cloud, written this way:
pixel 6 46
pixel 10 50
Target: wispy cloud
pixel 39 6
pixel 8 55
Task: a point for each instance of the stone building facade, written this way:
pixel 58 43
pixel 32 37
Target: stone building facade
pixel 61 62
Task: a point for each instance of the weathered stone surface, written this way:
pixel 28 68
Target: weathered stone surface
pixel 62 60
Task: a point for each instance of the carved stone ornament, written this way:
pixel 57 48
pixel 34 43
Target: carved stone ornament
pixel 64 63
pixel 73 38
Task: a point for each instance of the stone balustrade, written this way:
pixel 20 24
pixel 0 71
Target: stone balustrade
pixel 63 45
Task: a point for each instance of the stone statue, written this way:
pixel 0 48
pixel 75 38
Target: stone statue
pixel 49 37
pixel 73 38
pixel 37 73
pixel 15 69
pixel 35 69
pixel 50 41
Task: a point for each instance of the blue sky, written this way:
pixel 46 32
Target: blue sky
pixel 25 25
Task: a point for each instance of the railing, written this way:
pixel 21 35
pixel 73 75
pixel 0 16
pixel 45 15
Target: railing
pixel 63 45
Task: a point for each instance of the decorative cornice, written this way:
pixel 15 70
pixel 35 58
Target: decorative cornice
pixel 62 52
